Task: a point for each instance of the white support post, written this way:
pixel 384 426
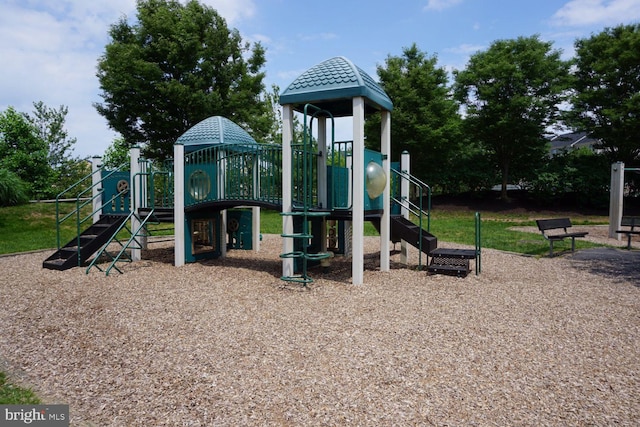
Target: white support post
pixel 357 260
pixel 385 221
pixel 223 233
pixel 96 192
pixel 616 198
pixel 287 220
pixel 135 189
pixel 405 166
pixel 178 204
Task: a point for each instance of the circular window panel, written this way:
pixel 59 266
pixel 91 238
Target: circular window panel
pixel 199 185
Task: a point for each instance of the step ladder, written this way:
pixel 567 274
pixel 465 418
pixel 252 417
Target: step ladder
pixel 456 262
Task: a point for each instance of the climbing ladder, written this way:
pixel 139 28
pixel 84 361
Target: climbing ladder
pixel 304 159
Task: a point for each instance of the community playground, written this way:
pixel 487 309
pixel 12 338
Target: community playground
pixel 227 329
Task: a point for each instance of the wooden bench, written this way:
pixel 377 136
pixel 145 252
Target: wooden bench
pixel 632 222
pixel 549 229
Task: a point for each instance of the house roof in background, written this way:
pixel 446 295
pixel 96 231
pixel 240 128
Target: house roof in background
pixel 571 141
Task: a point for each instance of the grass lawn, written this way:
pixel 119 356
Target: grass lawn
pixel 13 395
pixel 33 227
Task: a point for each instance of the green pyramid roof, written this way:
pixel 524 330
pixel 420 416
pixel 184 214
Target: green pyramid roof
pixel 214 130
pixel 332 85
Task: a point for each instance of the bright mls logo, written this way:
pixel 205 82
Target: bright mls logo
pixel 34 415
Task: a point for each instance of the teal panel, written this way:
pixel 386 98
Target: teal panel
pixel 338 187
pixel 113 183
pixel 240 229
pixel 200 182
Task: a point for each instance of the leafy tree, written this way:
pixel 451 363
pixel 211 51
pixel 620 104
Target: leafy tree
pixel 606 102
pixel 425 120
pixel 580 177
pixel 24 153
pixel 512 93
pixel 177 65
pixel 49 124
pixel 116 154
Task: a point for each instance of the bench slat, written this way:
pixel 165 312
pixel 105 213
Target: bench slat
pixel 550 224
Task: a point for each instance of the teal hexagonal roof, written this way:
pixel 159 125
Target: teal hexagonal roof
pixel 214 130
pixel 332 85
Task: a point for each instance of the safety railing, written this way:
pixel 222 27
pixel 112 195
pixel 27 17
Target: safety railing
pixel 416 209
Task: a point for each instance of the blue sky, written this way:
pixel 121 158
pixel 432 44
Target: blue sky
pixel 49 48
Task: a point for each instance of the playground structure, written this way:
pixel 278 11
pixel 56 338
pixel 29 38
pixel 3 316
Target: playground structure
pixel 324 189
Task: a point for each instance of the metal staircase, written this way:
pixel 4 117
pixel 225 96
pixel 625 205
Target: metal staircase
pixel 455 262
pixel 113 213
pixel 443 260
pixel 79 249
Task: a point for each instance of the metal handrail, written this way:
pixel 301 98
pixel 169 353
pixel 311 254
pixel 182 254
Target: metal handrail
pixel 416 209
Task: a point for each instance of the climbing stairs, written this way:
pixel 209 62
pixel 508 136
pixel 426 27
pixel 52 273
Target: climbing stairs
pixel 80 248
pixel 454 262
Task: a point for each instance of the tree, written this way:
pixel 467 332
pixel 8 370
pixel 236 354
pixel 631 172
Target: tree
pixel 512 93
pixel 24 153
pixel 49 124
pixel 426 122
pixel 177 65
pixel 117 154
pixel 606 102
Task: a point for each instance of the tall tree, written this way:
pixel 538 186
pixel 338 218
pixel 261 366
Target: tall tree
pixel 606 102
pixel 50 126
pixel 425 121
pixel 512 93
pixel 177 65
pixel 24 153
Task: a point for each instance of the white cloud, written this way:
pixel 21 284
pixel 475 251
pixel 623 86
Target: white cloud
pixel 597 12
pixel 441 4
pixel 233 10
pixel 465 49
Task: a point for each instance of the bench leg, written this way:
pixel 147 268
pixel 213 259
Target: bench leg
pixel 629 241
pixel 550 248
pixel 573 244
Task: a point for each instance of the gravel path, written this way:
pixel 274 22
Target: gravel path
pixel 529 342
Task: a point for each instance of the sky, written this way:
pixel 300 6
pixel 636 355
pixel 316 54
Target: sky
pixel 49 48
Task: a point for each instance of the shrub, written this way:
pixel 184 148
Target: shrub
pixel 13 191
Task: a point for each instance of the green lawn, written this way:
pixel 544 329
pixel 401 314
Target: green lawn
pixel 33 227
pixel 13 395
